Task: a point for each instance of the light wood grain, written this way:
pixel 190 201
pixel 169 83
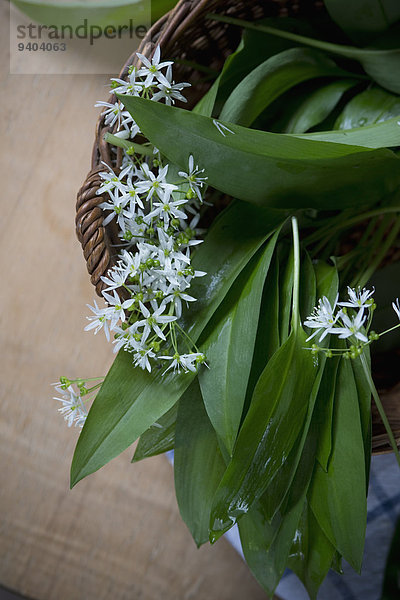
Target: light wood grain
pixel 118 534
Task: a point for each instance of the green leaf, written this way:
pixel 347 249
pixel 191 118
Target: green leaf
pixel 363 20
pixel 230 348
pixel 271 79
pixel 338 497
pixel 378 135
pixel 381 65
pixel 370 106
pixel 274 420
pixel 266 168
pixel 317 106
pixel 110 12
pixel 311 554
pixel 324 411
pixel 198 463
pixel 266 545
pixel 128 403
pixel 236 235
pixel 253 49
pixel 131 400
pixel 205 105
pixel 159 438
pixel 267 339
pixel 364 401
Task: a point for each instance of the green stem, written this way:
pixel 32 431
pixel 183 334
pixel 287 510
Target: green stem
pixel 380 408
pixel 389 330
pixel 126 145
pixel 296 277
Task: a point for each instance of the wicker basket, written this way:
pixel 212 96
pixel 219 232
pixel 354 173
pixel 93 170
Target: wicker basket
pixel 186 33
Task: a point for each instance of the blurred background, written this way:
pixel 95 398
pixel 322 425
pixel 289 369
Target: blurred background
pixel 118 534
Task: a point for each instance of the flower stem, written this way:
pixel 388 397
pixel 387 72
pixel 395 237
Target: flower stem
pixel 121 143
pixel 296 276
pixel 380 408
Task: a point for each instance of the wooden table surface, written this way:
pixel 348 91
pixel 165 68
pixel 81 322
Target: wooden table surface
pixel 118 534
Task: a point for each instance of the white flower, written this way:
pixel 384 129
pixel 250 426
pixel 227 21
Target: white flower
pixel 116 307
pixel 322 318
pixel 115 277
pixel 141 359
pixel 352 326
pixel 195 182
pixel 99 319
pixel 176 298
pixel 358 298
pixel 151 183
pixel 185 362
pixel 112 113
pixel 222 128
pixel 116 205
pixel 167 209
pixel 73 408
pixel 170 92
pixel 152 70
pixel 130 88
pixel 152 321
pixel 396 308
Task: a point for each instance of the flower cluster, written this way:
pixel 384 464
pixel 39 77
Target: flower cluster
pixel 353 324
pixel 73 407
pixel 157 211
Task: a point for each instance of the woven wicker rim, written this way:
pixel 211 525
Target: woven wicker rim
pixel 180 32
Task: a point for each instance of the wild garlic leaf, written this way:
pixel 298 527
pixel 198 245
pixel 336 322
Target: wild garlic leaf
pixel 275 418
pixel 338 497
pixel 272 78
pixel 198 463
pixel 159 438
pixel 269 169
pixel 230 348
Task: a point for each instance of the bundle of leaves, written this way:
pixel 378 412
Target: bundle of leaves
pixel 275 432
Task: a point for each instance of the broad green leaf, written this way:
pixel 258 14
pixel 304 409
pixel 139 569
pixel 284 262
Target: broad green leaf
pixel 236 235
pixel 271 79
pixel 205 105
pixel 317 106
pixel 370 106
pixel 131 400
pixel 363 20
pixel 274 420
pixel 267 339
pixel 266 168
pixel 109 12
pixel 159 438
pixel 364 401
pixel 198 463
pixel 230 349
pixel 279 495
pixel 254 49
pixel 266 545
pixel 381 65
pixel 378 135
pixel 311 554
pixel 338 497
pixel 128 403
pixel 324 411
pixel 327 280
